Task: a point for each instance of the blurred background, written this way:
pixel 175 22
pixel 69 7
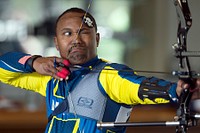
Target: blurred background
pixel 138 33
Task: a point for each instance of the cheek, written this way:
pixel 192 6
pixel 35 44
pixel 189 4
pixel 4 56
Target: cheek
pixel 63 48
pixel 63 52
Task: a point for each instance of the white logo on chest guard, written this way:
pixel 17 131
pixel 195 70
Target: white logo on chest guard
pixel 85 102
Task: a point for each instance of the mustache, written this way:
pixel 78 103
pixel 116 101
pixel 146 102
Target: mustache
pixel 75 46
pixel 72 48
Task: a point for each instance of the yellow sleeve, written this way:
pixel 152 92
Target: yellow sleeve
pixel 29 81
pixel 121 89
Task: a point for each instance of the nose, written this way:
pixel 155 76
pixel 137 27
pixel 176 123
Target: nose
pixel 77 39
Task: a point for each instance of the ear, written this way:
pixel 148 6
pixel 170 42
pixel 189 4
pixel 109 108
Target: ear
pixel 56 43
pixel 97 38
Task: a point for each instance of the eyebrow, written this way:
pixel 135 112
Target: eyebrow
pixel 65 29
pixel 83 27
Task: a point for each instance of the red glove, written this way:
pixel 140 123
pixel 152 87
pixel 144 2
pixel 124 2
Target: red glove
pixel 64 72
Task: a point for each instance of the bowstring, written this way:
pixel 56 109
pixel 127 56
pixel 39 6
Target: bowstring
pixel 77 34
pixel 85 14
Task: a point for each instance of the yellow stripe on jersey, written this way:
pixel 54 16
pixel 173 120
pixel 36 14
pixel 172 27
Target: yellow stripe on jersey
pixel 55 90
pixel 109 131
pixel 29 81
pixel 76 126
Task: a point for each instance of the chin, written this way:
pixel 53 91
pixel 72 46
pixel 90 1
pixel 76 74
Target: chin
pixel 78 59
pixel 77 62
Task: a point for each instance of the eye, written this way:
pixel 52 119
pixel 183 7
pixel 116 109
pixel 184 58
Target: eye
pixel 67 33
pixel 85 31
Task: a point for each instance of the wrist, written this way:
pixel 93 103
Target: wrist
pixel 31 60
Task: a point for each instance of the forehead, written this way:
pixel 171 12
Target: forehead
pixel 71 16
pixel 73 20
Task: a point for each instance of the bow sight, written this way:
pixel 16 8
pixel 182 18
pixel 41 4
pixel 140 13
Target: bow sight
pixel 185 118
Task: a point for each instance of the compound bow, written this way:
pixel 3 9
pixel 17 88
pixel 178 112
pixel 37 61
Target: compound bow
pixel 184 115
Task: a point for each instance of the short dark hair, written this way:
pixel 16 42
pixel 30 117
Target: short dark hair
pixel 78 10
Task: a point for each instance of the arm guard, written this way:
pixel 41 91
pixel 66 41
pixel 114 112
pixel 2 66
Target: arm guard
pixel 153 89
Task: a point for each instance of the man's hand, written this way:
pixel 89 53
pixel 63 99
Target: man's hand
pixel 50 66
pixel 181 85
pixel 196 94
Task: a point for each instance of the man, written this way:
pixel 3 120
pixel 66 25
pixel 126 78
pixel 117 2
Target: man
pixel 80 88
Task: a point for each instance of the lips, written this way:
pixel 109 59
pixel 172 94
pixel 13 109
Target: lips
pixel 75 49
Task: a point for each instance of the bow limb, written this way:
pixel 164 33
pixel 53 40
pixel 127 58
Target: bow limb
pixel 184 24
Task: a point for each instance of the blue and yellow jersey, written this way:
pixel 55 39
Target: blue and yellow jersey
pixel 109 92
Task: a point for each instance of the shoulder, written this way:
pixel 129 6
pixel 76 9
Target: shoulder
pixel 116 66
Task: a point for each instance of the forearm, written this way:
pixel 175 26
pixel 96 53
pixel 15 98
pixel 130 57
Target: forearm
pixel 15 71
pixel 157 90
pixel 12 65
pixel 130 89
pixel 15 62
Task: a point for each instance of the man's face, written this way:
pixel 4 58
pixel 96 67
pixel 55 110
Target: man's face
pixel 76 44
